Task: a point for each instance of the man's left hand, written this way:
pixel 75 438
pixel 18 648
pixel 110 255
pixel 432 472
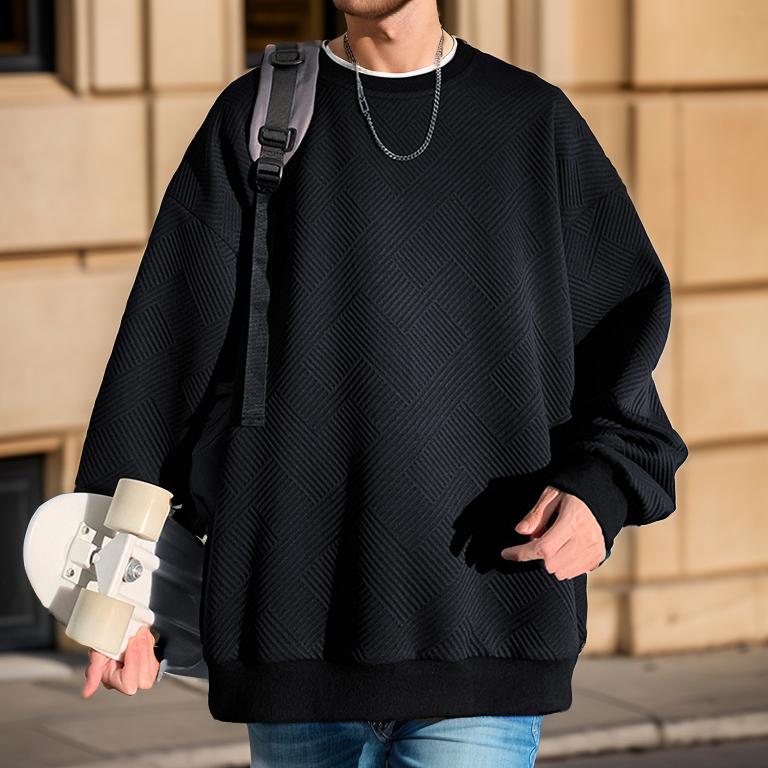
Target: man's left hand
pixel 572 545
pixel 137 670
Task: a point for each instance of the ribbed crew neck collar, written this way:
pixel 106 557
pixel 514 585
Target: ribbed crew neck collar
pixel 332 70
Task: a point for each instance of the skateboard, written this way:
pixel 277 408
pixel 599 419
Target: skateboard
pixel 106 565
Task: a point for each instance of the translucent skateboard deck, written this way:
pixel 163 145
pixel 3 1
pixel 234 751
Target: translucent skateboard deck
pixel 105 569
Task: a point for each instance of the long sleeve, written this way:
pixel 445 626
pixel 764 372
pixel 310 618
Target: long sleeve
pixel 176 318
pixel 618 452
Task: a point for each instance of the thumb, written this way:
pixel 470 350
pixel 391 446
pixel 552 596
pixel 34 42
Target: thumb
pixel 540 512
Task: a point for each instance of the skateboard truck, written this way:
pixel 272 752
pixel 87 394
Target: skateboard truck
pixel 105 566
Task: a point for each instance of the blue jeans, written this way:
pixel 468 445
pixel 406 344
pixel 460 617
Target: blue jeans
pixel 486 741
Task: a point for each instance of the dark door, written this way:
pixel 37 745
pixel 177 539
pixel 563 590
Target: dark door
pixel 24 623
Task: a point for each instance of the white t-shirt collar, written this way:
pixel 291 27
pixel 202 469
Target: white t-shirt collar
pixel 429 68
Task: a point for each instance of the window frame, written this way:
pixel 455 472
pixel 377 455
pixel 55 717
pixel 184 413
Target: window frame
pixel 40 55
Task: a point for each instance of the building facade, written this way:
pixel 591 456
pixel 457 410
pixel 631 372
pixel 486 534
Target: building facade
pixel 99 99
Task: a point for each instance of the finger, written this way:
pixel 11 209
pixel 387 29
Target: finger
pixel 126 676
pixel 544 546
pixel 522 552
pixel 145 647
pixel 108 673
pixel 131 666
pixel 572 560
pixel 93 672
pixel 154 668
pixel 540 513
pixel 560 532
pixel 150 663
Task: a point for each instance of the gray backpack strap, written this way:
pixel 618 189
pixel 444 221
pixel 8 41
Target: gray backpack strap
pixel 282 111
pixel 302 98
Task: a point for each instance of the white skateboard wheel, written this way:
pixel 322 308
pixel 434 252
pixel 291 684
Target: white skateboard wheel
pixel 99 621
pixel 139 508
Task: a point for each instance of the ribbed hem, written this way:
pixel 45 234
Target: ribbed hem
pixel 314 690
pixel 590 478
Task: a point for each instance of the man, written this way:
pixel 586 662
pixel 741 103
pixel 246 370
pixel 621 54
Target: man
pixel 464 315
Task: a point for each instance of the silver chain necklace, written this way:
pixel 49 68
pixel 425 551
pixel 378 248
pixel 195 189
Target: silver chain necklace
pixel 367 113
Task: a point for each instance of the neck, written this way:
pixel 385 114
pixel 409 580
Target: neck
pixel 399 42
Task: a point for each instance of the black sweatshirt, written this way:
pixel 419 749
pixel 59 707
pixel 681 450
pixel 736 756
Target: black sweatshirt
pixel 447 336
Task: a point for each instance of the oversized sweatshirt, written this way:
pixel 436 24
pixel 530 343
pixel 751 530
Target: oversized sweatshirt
pixel 447 336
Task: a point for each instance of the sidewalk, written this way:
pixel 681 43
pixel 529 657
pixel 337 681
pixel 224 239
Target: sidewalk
pixel 618 704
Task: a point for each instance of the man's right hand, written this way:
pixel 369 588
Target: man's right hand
pixel 138 669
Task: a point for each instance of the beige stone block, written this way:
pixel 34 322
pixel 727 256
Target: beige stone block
pixel 42 264
pixel 655 551
pixel 693 42
pixel 62 456
pixel 234 37
pixel 762 605
pixel 618 568
pixel 583 42
pixel 609 117
pixel 726 526
pixel 71 450
pixel 188 43
pixel 524 33
pixel 722 140
pixel 722 365
pixel 52 469
pixel 56 334
pixel 656 182
pixel 113 260
pixel 175 120
pixel 665 374
pixel 658 547
pixel 24 446
pixel 73 44
pixel 604 612
pixel 32 87
pixel 117 61
pixel 77 173
pixel 696 614
pixel 472 24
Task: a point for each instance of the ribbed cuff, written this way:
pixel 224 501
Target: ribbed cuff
pixel 590 478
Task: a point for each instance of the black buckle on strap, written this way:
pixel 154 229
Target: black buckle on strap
pixel 268 173
pixel 277 137
pixel 286 57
